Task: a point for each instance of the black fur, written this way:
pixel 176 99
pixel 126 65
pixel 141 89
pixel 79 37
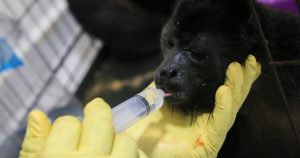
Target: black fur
pixel 129 28
pixel 199 41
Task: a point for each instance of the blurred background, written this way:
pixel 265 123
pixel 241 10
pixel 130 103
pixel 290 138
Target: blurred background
pixel 51 62
pixel 56 55
pixel 44 58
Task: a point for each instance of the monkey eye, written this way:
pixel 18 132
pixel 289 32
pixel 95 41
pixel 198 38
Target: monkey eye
pixel 198 57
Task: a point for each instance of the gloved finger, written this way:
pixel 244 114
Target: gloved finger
pixel 221 119
pixel 235 80
pixel 251 71
pixel 124 146
pixel 97 128
pixel 38 128
pixel 64 135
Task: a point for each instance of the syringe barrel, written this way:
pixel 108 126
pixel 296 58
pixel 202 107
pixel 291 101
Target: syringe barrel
pixel 136 107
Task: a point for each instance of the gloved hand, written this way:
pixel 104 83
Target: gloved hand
pixel 68 137
pixel 168 134
pixel 163 134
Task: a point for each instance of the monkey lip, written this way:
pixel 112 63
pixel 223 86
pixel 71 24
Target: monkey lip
pixel 167 93
pixel 174 97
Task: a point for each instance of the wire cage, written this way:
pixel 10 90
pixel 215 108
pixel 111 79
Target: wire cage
pixel 49 56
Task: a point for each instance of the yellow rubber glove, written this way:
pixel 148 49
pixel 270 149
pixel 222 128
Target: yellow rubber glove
pixel 68 137
pixel 169 134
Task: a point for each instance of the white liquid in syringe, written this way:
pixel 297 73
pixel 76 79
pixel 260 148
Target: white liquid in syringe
pixel 137 107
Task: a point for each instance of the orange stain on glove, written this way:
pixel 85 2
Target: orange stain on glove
pixel 199 142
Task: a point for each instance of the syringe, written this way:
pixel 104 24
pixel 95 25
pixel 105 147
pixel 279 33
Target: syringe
pixel 137 107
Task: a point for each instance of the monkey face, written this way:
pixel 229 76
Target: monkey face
pixel 198 42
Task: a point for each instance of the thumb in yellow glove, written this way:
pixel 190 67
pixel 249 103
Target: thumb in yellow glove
pixel 68 137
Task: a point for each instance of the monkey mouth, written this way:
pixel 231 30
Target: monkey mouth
pixel 173 97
